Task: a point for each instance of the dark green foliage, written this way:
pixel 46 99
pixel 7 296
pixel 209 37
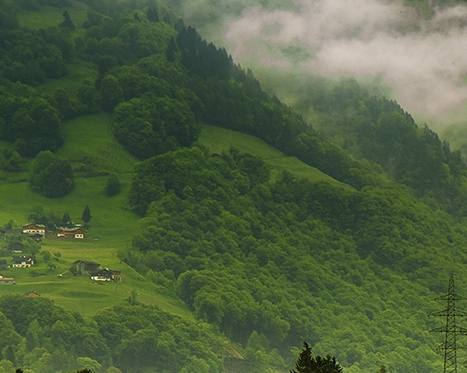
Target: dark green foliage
pixel 8 18
pixel 327 364
pixel 51 176
pixel 153 125
pixel 304 360
pixel 86 216
pixel 31 123
pixel 29 4
pixel 9 354
pixel 63 104
pixel 171 50
pixel 31 56
pixel 44 320
pixel 67 22
pixel 111 93
pixel 113 187
pixel 135 337
pixel 88 97
pixel 380 131
pixel 93 19
pixel 10 160
pixel 152 14
pixel 278 259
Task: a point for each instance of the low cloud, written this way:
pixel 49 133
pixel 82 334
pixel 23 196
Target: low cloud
pixel 423 59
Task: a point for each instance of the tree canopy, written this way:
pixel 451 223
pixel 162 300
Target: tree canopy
pixel 51 176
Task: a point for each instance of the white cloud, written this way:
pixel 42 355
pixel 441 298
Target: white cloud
pixel 423 59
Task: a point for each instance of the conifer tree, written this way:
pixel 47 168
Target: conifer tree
pixel 306 363
pixel 86 217
pixel 303 363
pixel 67 22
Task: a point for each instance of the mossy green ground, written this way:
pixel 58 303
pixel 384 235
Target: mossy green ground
pixel 94 153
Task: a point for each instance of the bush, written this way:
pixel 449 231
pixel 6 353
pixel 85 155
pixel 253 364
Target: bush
pixel 51 176
pixel 113 186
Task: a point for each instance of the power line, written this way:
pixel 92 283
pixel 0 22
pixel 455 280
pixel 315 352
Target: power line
pixel 451 330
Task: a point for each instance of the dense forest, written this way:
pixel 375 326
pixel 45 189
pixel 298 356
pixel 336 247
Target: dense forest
pixel 262 263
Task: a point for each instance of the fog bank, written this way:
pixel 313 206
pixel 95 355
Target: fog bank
pixel 422 58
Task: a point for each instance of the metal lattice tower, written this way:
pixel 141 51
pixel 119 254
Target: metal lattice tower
pixel 451 330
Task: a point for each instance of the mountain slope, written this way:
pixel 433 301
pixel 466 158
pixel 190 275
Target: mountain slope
pixel 342 257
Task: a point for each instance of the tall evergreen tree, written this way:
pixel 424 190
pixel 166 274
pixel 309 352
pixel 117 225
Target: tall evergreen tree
pixel 306 363
pixel 303 363
pixel 67 22
pixel 171 49
pixel 86 217
pixel 9 354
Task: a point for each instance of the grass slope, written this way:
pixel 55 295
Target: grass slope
pixel 91 147
pixel 218 139
pixel 80 293
pixel 49 16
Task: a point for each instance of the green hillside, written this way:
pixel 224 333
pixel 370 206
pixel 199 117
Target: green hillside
pixel 218 139
pixel 94 152
pixel 239 229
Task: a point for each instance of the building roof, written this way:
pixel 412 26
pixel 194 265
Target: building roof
pixel 104 271
pixel 71 230
pixel 34 225
pixel 86 262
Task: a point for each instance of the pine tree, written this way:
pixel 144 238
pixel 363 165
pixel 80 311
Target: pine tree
pixel 67 21
pixel 9 354
pixel 66 219
pixel 304 360
pixel 171 50
pixel 31 341
pixel 306 363
pixel 86 217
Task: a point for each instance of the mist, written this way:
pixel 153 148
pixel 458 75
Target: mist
pixel 418 55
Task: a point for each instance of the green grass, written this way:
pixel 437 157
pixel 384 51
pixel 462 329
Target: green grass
pixel 91 147
pixel 78 71
pixel 80 292
pixel 48 16
pixel 218 139
pixel 90 143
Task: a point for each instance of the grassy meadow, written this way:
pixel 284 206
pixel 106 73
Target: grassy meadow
pixel 52 16
pixel 218 139
pixel 80 293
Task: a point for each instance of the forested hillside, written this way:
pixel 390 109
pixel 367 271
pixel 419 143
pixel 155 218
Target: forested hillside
pixel 262 263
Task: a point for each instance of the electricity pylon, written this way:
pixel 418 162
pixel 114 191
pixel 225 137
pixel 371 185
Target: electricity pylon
pixel 451 330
